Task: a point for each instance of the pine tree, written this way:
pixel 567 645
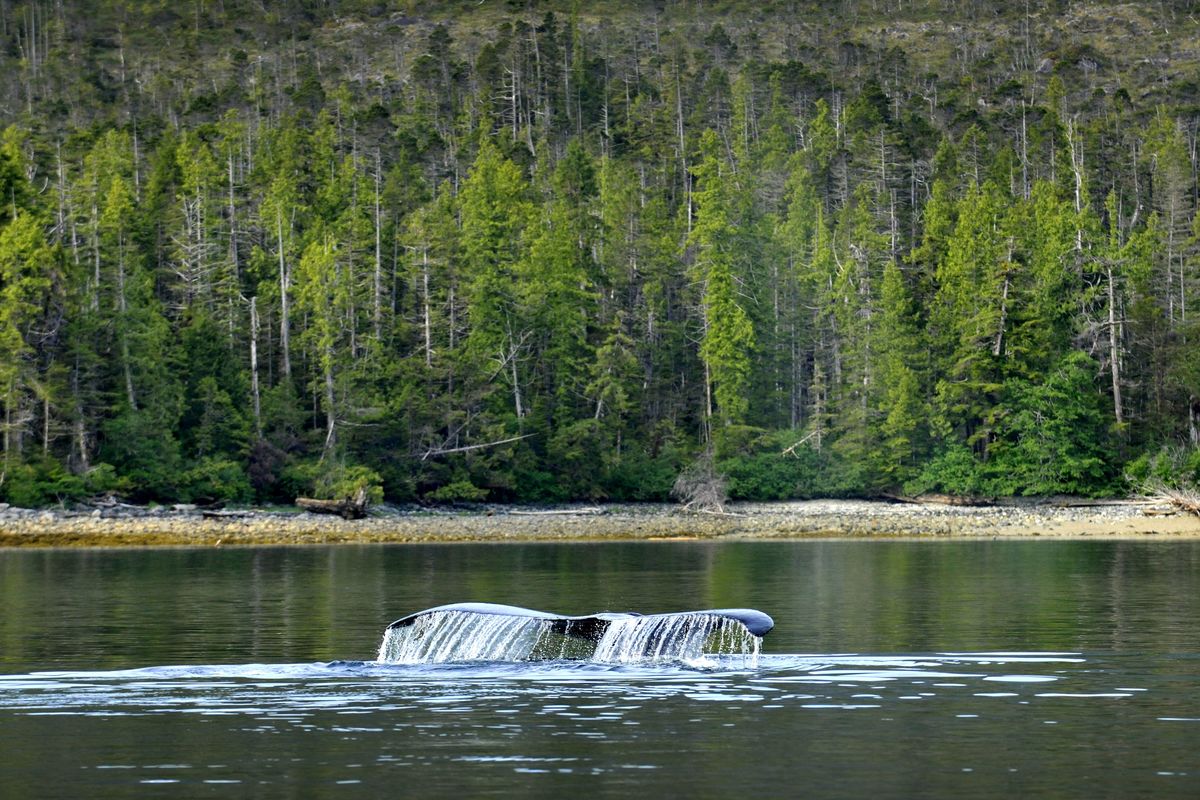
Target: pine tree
pixel 557 284
pixel 27 264
pixel 969 321
pixel 495 211
pixel 902 403
pixel 860 253
pixel 727 338
pixel 1049 298
pixel 322 292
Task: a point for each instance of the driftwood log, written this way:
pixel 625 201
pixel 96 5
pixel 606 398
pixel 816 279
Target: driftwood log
pixel 1181 499
pixel 354 507
pixel 939 499
pixel 557 512
pixel 220 513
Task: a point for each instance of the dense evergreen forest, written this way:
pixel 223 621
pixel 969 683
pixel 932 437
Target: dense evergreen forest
pixel 545 251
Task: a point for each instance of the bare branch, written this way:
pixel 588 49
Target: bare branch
pixel 445 451
pixel 791 451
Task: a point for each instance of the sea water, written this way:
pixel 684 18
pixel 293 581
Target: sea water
pixel 948 669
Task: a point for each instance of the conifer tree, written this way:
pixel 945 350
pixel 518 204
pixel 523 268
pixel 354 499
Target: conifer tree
pixel 495 211
pixel 969 321
pixel 558 286
pixel 727 337
pixel 901 400
pixel 27 264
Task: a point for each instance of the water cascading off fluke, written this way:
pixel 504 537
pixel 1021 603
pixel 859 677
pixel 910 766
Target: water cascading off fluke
pixel 492 632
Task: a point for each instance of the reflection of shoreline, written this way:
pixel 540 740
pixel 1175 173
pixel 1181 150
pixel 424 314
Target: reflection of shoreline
pixel 802 519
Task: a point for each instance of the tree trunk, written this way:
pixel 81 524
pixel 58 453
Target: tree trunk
pixel 254 384
pixel 8 398
pixel 233 244
pixel 377 310
pixel 1194 420
pixel 1114 353
pixel 122 313
pixel 516 384
pixel 330 416
pixel 284 321
pixel 95 298
pixel 425 307
pixel 998 343
pixel 46 424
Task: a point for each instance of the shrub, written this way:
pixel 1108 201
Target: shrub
pixel 138 446
pixel 345 482
pixel 763 476
pixel 457 492
pixel 954 471
pixel 330 481
pixel 298 479
pixel 265 469
pixel 103 479
pixel 40 483
pixel 531 485
pixel 777 466
pixel 641 478
pixel 215 480
pixel 1170 467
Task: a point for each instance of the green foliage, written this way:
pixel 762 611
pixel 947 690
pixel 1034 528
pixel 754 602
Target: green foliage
pixel 326 481
pixel 45 482
pixel 215 480
pixel 345 482
pixel 38 484
pixel 562 265
pixel 952 471
pixel 782 465
pixel 1052 439
pixel 102 479
pixel 763 477
pixel 728 334
pixel 1170 467
pixel 1055 439
pixel 138 446
pixel 457 492
pixel 641 478
pixel 220 429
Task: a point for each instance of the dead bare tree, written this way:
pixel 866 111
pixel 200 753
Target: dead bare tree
pixel 700 487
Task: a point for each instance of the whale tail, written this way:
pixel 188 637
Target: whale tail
pixel 488 631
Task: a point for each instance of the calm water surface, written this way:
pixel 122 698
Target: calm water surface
pixel 948 669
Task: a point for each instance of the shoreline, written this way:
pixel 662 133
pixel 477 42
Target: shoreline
pixel 126 526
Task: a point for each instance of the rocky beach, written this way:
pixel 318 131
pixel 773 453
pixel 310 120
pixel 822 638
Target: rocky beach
pixel 122 525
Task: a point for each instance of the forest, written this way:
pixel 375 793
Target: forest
pixel 542 252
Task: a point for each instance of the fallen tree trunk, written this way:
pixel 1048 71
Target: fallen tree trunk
pixel 347 508
pixel 557 512
pixel 939 499
pixel 1079 503
pixel 217 513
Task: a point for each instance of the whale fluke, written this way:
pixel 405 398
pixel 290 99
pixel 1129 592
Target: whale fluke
pixel 490 631
pixel 592 626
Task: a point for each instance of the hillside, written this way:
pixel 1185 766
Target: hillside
pixel 547 251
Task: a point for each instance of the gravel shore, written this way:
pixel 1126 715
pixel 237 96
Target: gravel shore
pixel 184 526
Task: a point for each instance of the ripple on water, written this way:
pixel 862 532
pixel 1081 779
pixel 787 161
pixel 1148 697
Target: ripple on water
pixel 488 714
pixel 291 691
